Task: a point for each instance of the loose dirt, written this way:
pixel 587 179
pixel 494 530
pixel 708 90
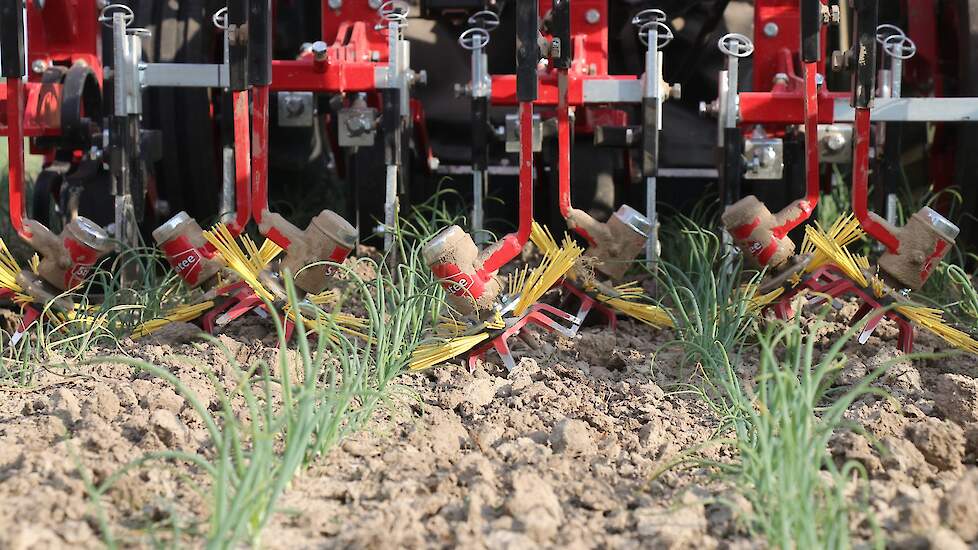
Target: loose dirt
pixel 571 449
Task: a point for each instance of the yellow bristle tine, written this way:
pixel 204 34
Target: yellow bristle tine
pixel 180 313
pixel 553 266
pixel 430 355
pixel 933 321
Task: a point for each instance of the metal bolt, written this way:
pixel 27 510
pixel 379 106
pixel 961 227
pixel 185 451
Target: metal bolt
pixel 375 56
pixel 319 50
pixel 294 106
pixel 335 5
pixel 834 142
pixel 39 66
pixel 781 78
pixel 676 91
pixel 835 15
pixel 592 16
pixel 374 4
pixel 771 29
pixel 819 79
pixel 840 61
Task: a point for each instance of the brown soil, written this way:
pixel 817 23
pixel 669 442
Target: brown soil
pixel 567 450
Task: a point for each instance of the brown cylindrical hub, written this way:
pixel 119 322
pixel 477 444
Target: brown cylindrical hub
pixel 455 259
pixel 182 241
pixel 328 238
pixel 752 227
pixel 924 241
pixel 616 243
pixel 67 258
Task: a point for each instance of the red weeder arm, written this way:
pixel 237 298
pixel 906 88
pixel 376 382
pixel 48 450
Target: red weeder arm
pixel 15 148
pixel 863 60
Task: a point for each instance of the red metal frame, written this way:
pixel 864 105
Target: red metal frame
pixel 64 32
pixel 828 282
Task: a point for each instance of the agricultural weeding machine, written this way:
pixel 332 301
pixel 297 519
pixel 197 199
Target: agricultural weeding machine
pixel 100 98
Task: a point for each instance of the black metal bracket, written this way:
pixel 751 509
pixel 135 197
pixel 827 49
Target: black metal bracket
pixel 238 40
pixel 811 30
pixel 527 50
pixel 863 55
pixel 12 46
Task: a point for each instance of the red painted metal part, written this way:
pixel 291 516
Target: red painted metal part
pixel 242 163
pixel 807 205
pixel 541 315
pixel 354 24
pixel 63 32
pixel 564 165
pixel 259 152
pixel 589 302
pixel 512 244
pixel 829 282
pixel 785 103
pixel 15 151
pixel 421 139
pixel 41 109
pixel 786 15
pixel 504 88
pixel 304 76
pixel 590 39
pixel 785 107
pixel 860 186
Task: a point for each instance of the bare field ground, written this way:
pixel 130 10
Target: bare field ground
pixel 576 448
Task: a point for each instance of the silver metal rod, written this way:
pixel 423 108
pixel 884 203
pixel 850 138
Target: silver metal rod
pixel 652 242
pixel 896 75
pixel 390 208
pixel 914 109
pixel 479 178
pixel 227 184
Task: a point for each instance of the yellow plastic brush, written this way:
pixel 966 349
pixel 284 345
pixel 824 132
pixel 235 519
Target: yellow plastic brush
pixel 429 355
pixel 830 248
pixel 842 233
pixel 629 298
pixel 9 269
pixel 247 262
pixel 555 264
pixel 932 320
pixel 181 313
pixel 527 286
pixel 760 301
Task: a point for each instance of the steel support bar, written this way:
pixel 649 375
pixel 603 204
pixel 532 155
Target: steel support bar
pixel 914 109
pixel 183 75
pixel 782 108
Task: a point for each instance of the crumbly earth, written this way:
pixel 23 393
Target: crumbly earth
pixel 571 449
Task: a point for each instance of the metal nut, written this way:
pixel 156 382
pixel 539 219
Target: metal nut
pixel 39 66
pixel 676 91
pixel 840 61
pixel 592 16
pixel 771 29
pixel 319 50
pixel 835 15
pixel 335 4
